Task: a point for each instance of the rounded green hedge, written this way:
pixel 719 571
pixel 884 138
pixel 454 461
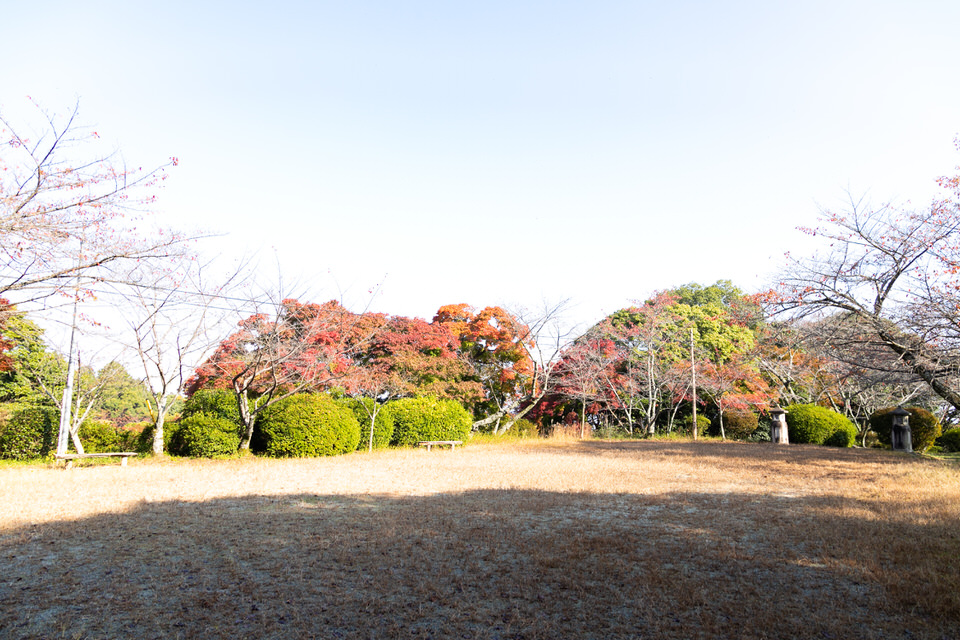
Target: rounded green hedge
pixel 144 442
pixel 924 427
pixel 813 424
pixel 214 402
pixel 703 424
pixel 306 425
pixel 383 428
pixel 949 441
pixel 843 437
pixel 31 432
pixel 205 435
pixel 99 436
pixel 737 424
pixel 419 419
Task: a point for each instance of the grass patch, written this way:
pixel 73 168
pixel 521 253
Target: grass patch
pixel 520 539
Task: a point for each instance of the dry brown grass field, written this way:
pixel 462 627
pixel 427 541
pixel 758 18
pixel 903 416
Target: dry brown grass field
pixel 536 539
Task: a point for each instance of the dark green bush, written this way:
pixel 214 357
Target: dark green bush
pixel 383 430
pixel 842 437
pixel 813 424
pixel 216 402
pixel 144 442
pixel 686 424
pixel 205 435
pixel 949 441
pixel 737 424
pixel 419 419
pixel 304 425
pixel 99 436
pixel 760 434
pixel 31 432
pixel 924 427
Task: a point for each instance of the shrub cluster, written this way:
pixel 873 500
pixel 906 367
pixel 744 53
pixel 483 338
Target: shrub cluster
pixel 924 427
pixel 30 432
pixel 383 426
pixel 737 424
pixel 703 424
pixel 99 436
pixel 204 435
pixel 949 441
pixel 144 442
pixel 419 419
pixel 304 425
pixel 813 424
pixel 215 402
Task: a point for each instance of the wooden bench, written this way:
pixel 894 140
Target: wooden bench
pixel 70 457
pixel 429 443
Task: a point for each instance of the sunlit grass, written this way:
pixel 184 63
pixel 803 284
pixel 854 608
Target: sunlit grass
pixel 525 538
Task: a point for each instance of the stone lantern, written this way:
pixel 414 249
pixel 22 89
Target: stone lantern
pixel 900 437
pixel 778 426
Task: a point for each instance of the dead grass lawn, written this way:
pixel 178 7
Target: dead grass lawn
pixel 528 540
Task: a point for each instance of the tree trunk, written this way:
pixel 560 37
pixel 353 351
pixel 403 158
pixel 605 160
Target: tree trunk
pixel 583 417
pixel 75 436
pixel 373 423
pixel 157 448
pixel 246 418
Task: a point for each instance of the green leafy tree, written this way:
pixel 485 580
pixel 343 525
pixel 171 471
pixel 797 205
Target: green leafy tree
pixel 123 398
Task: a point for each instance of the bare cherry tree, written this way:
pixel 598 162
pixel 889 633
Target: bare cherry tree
pixel 175 319
pixel 891 273
pixel 68 209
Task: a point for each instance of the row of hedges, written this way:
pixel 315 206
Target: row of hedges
pixel 316 424
pixel 209 426
pixel 813 424
pixel 30 431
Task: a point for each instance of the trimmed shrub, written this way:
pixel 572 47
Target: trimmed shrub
pixel 686 424
pixel 144 442
pixel 813 424
pixel 760 434
pixel 204 435
pixel 419 419
pixel 7 409
pixel 305 425
pixel 215 402
pixel 737 424
pixel 383 430
pixel 924 427
pixel 949 441
pixel 842 437
pixel 31 432
pixel 99 436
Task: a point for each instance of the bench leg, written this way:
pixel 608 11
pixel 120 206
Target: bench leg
pixel 123 461
pixel 69 464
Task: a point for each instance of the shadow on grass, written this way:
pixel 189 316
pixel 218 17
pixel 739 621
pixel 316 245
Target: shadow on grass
pixel 741 451
pixel 485 564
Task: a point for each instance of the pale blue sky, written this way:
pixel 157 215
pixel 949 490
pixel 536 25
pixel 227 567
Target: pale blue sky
pixel 503 152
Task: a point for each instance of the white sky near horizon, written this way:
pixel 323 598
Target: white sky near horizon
pixel 504 152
